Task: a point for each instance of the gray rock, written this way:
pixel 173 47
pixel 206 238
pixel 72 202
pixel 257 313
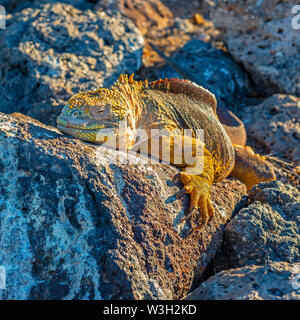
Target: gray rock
pixel 17 5
pixel 212 68
pixel 274 124
pixel 52 51
pixel 259 34
pixel 76 225
pixel 268 230
pixel 207 6
pixel 275 281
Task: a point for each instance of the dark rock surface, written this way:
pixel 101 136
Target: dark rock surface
pixel 210 67
pixel 10 5
pixel 52 51
pixel 274 281
pixel 76 226
pixel 268 230
pixel 259 34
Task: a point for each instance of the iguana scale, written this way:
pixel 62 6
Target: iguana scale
pixel 170 104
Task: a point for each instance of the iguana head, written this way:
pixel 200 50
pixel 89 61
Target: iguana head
pixel 95 116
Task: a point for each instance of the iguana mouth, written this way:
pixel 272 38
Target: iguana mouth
pixel 83 130
pixel 78 125
pixel 75 129
pixel 96 135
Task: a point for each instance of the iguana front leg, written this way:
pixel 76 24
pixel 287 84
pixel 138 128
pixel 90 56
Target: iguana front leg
pixel 197 179
pixel 197 175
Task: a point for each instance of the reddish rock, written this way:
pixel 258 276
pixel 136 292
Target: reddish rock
pixel 145 14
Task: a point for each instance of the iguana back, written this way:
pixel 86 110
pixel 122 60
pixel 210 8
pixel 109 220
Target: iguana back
pixel 189 106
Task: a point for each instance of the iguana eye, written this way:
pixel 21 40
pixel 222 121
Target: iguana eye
pixel 75 113
pixel 98 110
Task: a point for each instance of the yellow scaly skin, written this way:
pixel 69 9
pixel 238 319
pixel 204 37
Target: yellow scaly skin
pixel 169 104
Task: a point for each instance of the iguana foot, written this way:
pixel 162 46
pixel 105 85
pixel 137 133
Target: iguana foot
pixel 199 191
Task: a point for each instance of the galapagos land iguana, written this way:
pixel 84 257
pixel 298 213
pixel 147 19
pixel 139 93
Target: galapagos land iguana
pixel 171 104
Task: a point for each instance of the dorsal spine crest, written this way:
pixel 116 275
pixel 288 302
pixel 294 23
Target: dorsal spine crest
pixel 124 79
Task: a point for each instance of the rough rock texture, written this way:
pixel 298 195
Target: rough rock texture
pixel 73 225
pixel 206 7
pixel 53 51
pixel 145 14
pixel 259 34
pixel 275 281
pixel 277 128
pixel 173 27
pixel 152 14
pixel 210 67
pixel 166 23
pixel 268 230
pixel 17 5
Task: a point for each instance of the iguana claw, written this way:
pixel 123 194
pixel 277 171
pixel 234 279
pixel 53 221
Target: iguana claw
pixel 185 189
pixel 189 215
pixel 200 199
pixel 176 177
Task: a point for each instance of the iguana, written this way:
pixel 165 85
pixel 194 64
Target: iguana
pixel 171 105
